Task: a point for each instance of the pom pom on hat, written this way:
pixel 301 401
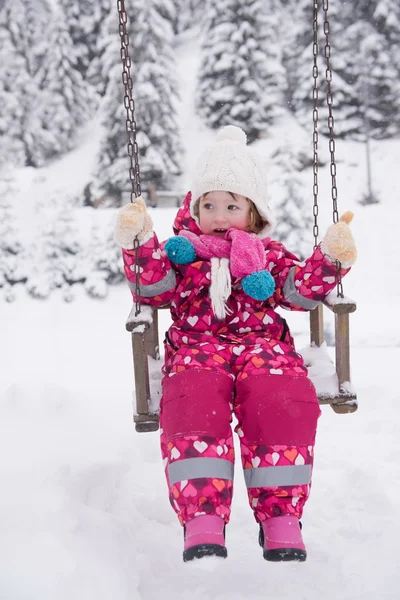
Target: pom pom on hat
pixel 180 250
pixel 233 134
pixel 259 285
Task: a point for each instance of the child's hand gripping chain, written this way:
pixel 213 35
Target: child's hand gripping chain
pixel 338 242
pixel 133 220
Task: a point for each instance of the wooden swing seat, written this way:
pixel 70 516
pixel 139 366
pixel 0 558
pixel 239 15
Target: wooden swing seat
pixel 144 327
pixel 333 384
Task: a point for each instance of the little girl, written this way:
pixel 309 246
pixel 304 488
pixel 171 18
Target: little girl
pixel 229 351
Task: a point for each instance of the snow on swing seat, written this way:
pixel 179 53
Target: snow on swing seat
pixel 321 371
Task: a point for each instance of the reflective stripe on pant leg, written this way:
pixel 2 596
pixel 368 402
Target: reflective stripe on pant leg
pixel 278 478
pixel 199 474
pixel 199 468
pixel 288 475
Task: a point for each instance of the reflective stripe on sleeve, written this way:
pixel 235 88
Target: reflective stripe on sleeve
pixel 278 476
pixel 194 468
pixel 155 289
pixel 293 296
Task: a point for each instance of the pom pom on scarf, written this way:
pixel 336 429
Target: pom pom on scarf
pixel 260 285
pixel 180 250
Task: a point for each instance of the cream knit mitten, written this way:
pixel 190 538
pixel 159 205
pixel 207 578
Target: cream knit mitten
pixel 133 220
pixel 338 242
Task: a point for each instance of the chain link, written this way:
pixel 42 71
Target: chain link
pixel 315 121
pixel 331 124
pixel 129 103
pixel 131 130
pixel 137 274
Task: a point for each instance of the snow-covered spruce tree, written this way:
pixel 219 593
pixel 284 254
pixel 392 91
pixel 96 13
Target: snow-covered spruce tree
pixel 365 73
pixel 68 99
pixel 107 265
pixel 14 83
pixel 58 256
pixel 84 19
pixel 188 13
pixel 27 21
pixel 294 225
pixel 299 61
pixel 39 83
pixel 241 79
pixel 374 64
pixel 96 282
pixel 12 263
pixel 387 17
pixel 22 47
pixel 155 94
pixel 377 84
pixel 197 10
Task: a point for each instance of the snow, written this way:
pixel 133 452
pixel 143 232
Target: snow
pixel 84 511
pixel 333 299
pixel 84 503
pixel 138 323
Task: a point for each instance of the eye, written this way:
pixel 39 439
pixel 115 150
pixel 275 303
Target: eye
pixel 232 207
pixel 208 205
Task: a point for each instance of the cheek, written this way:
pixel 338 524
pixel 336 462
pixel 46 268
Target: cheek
pixel 204 222
pixel 243 218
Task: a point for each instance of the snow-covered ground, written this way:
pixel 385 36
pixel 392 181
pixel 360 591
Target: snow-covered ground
pixel 84 511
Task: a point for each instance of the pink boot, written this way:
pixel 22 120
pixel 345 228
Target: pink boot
pixel 282 540
pixel 204 536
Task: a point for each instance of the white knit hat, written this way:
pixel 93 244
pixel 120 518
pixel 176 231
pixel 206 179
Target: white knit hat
pixel 229 165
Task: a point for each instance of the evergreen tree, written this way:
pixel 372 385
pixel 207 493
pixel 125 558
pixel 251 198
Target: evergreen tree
pixel 103 262
pixel 376 85
pixel 58 256
pixel 299 62
pixel 27 22
pixel 240 79
pixel 96 281
pixel 42 92
pixel 84 19
pixel 155 94
pixel 12 252
pixel 187 14
pixel 108 261
pixel 364 40
pixel 68 98
pixel 14 81
pixel 69 266
pixel 375 67
pixel 294 224
pixel 22 47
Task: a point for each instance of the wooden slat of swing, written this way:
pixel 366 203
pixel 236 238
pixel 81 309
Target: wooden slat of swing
pixel 345 400
pixel 144 344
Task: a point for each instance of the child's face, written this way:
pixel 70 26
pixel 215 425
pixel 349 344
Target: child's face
pixel 219 211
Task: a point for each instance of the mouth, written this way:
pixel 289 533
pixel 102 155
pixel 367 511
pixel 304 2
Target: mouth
pixel 219 232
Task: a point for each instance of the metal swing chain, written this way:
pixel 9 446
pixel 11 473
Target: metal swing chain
pixel 131 129
pixel 331 123
pixel 315 122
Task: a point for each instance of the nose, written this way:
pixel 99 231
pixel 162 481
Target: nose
pixel 220 217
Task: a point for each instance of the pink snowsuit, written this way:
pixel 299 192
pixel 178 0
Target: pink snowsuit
pixel 245 364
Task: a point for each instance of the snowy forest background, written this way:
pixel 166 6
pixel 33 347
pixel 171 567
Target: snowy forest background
pixel 60 84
